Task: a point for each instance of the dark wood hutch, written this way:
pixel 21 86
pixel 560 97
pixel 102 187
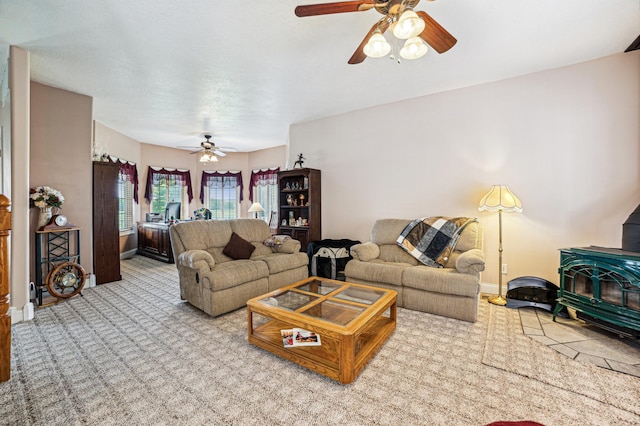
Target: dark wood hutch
pixel 300 205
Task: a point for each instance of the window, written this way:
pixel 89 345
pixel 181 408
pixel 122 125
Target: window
pixel 127 193
pixel 264 190
pixel 125 204
pixel 168 185
pixel 221 192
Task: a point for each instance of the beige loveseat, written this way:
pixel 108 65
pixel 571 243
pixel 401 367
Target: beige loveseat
pixel 217 283
pixel 451 291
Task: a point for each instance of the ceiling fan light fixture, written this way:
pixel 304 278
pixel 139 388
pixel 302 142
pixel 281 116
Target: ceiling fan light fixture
pixel 408 25
pixel 377 46
pixel 414 48
pixel 207 157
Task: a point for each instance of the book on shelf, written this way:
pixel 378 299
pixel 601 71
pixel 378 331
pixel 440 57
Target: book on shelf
pixel 299 337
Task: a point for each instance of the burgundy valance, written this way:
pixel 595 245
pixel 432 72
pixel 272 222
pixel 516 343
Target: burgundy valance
pixel 155 175
pixel 232 178
pixel 263 177
pixel 129 172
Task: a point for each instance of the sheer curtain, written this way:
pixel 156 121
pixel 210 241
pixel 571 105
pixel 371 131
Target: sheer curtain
pixel 264 190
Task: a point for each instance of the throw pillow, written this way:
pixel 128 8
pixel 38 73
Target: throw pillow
pixel 238 247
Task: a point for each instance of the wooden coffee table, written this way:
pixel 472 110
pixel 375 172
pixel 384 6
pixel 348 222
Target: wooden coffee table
pixel 352 320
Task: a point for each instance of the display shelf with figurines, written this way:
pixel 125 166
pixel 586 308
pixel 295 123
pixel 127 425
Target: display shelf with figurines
pixel 300 204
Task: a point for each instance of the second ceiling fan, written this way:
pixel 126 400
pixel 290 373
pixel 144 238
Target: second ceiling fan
pixel 209 150
pixel 414 27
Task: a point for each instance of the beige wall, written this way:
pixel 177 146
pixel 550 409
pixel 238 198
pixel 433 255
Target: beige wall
pixel 566 141
pixel 60 157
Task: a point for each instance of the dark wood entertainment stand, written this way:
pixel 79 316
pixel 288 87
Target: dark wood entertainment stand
pixel 154 241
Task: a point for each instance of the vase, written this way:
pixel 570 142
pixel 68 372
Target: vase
pixel 44 217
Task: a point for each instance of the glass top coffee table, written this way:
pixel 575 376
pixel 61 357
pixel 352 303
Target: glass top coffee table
pixel 352 321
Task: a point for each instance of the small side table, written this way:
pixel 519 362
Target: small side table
pixel 53 248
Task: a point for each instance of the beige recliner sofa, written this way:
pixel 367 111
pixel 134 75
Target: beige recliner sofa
pixel 452 291
pixel 217 283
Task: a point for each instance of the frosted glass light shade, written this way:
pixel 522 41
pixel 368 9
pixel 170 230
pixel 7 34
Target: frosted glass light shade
pixel 409 25
pixel 377 46
pixel 414 48
pixel 206 157
pixel 500 198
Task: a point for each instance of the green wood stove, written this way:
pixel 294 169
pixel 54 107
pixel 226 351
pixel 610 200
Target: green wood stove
pixel 603 286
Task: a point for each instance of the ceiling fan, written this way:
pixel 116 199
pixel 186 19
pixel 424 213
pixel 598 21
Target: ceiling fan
pixel 400 17
pixel 209 150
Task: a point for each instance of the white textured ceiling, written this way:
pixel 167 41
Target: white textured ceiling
pixel 167 71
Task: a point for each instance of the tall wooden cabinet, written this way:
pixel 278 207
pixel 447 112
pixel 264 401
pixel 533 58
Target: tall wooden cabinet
pixel 300 205
pixel 106 233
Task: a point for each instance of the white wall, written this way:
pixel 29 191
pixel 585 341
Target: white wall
pixel 566 141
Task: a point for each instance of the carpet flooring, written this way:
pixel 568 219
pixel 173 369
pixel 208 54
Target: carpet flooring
pixel 131 352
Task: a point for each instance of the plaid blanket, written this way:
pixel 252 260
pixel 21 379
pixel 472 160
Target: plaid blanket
pixel 432 239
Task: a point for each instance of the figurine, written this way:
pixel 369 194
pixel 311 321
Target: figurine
pixel 300 161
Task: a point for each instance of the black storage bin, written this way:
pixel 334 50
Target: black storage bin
pixel 328 258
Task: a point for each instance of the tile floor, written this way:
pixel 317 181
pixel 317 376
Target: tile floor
pixel 582 341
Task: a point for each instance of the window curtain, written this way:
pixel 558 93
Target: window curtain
pixel 129 172
pixel 234 178
pixel 155 175
pixel 263 177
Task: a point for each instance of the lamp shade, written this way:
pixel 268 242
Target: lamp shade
pixel 500 198
pixel 255 207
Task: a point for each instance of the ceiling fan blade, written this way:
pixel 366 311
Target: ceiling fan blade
pixel 196 152
pixel 337 7
pixel 435 35
pixel 359 56
pixel 220 153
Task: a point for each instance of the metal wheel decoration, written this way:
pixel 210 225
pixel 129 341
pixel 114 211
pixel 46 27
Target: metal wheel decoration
pixel 66 280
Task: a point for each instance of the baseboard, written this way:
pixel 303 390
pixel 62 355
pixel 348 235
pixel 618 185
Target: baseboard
pixel 91 281
pixel 128 254
pixel 19 315
pixel 490 288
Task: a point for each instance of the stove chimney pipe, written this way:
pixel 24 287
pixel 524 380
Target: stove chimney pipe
pixel 631 232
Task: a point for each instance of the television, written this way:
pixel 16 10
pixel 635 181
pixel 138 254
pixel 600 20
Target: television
pixel 172 210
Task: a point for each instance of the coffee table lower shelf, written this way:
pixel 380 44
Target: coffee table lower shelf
pixel 340 357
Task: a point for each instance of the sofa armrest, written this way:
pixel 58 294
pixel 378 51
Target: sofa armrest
pixel 196 259
pixel 288 246
pixel 365 252
pixel 470 262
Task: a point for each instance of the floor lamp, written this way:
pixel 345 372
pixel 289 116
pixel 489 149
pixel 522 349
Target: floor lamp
pixel 500 199
pixel 256 208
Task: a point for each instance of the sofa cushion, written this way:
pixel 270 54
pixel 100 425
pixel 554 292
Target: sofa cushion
pixel 238 247
pixel 230 274
pixel 200 235
pixel 252 230
pixel 441 280
pixel 278 262
pixel 376 271
pixel 394 254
